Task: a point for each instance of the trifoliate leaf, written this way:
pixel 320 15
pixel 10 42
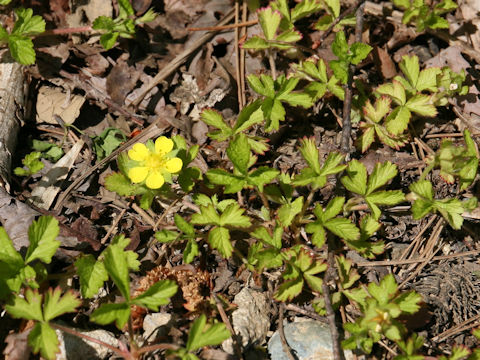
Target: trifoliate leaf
pixel 92 275
pixel 158 294
pixel 219 238
pixel 377 113
pixel 202 334
pixel 27 24
pixel 108 313
pixel 42 235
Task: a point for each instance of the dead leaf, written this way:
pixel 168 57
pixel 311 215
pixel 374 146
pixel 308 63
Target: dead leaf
pixel 384 63
pixel 121 80
pixel 53 101
pixel 17 347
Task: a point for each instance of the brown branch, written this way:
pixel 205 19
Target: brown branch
pixel 286 348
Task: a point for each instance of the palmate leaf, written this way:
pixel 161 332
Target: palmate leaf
pixel 55 305
pixel 377 112
pixel 42 338
pixel 269 21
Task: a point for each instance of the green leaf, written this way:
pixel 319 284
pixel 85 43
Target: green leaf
pixel 340 69
pixel 422 105
pixel 191 251
pixel 29 308
pixel 409 302
pixel 109 39
pixel 108 313
pixel 289 289
pixel 395 90
pixel 397 121
pixel 359 52
pixel 423 188
pixel 107 142
pixel 158 294
pixel 343 228
pixel 269 20
pixel 8 254
pixel 92 275
pixel 231 182
pixel 334 6
pixel 183 225
pixel 385 290
pixel 42 235
pixel 309 152
pixel 250 115
pixel 166 236
pixel 381 174
pixel 232 216
pixel 214 118
pixel 207 215
pixel 56 305
pixel 256 43
pixel 238 152
pixel 219 238
pixel 103 23
pixel 356 178
pixel 340 46
pixel 287 212
pixel 115 261
pixel 42 338
pixel 377 113
pixel 120 184
pixel 125 9
pixel 21 49
pixel 262 176
pixel 26 24
pixel 333 208
pixel 410 68
pixel 202 334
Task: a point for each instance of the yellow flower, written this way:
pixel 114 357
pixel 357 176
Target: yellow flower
pixel 153 163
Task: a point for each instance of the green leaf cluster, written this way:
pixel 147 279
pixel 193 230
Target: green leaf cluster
pixel 366 187
pixel 31 163
pixel 381 305
pixel 300 267
pixel 42 309
pixel 19 39
pixel 274 94
pixel 425 15
pixel 422 196
pixel 18 270
pixel 347 54
pixel 116 263
pixel 201 334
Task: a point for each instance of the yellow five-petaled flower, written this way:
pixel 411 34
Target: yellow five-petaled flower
pixel 153 163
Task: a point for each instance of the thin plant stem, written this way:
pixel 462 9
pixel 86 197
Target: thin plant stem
pixel 271 60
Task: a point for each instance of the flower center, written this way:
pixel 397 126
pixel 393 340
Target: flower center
pixel 155 161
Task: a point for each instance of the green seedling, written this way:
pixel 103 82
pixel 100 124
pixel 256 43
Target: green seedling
pixel 347 54
pixel 43 308
pixel 122 26
pixel 239 153
pixel 19 39
pixel 316 74
pixel 274 94
pixel 201 334
pixel 425 15
pixel 422 196
pixel 230 217
pixel 381 305
pixel 32 164
pixel 49 150
pixel 109 140
pixel 28 270
pixel 300 267
pixel 455 161
pixel 365 187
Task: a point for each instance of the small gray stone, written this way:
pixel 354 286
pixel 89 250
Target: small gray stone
pixel 309 340
pixel 75 348
pixel 250 320
pixel 155 325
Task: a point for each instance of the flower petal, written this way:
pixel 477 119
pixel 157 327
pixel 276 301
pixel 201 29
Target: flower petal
pixel 155 180
pixel 174 165
pixel 138 174
pixel 138 152
pixel 163 145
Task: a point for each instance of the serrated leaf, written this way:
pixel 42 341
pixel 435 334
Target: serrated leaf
pixel 343 228
pixel 359 52
pixel 356 178
pixel 340 69
pixel 238 152
pixel 42 235
pixel 256 43
pixel 207 215
pixel 250 115
pixel 42 338
pixel 8 254
pixel 202 334
pixel 269 21
pixel 397 121
pixel 115 261
pixel 410 68
pixel 409 302
pixel 183 225
pixel 219 238
pixel 158 294
pixel 232 216
pixel 381 174
pixel 334 207
pixel 287 212
pixel 332 164
pixel 29 307
pixel 334 5
pixel 422 105
pixel 56 305
pixel 262 176
pixel 289 36
pixel 120 184
pixel 340 46
pixel 27 24
pixel 21 49
pixel 125 9
pixel 377 113
pixel 92 274
pixel 289 289
pixel 366 139
pixel 166 236
pixel 423 188
pixel 108 313
pixel 395 90
pixel 214 118
pixel 309 151
pixel 390 197
pixel 231 182
pixel 385 290
pixel 191 251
